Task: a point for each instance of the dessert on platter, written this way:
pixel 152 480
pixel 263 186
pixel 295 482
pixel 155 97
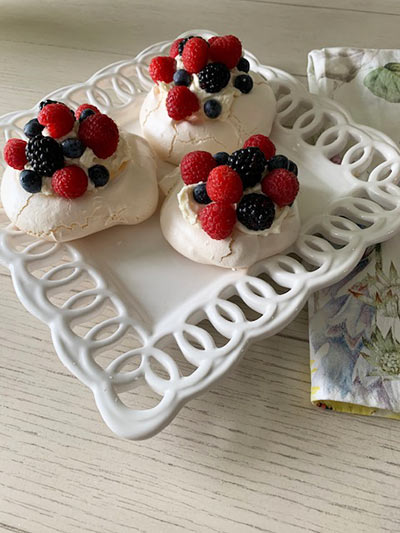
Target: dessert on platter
pixel 76 174
pixel 204 98
pixel 231 210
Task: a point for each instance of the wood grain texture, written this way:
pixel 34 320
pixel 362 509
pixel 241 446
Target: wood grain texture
pixel 249 455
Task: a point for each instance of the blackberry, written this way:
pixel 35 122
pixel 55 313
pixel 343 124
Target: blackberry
pixel 244 83
pixel 256 211
pixel 212 108
pixel 221 158
pixel 182 77
pixel 45 155
pixel 33 128
pixel 214 77
pixel 99 175
pixel 30 181
pixel 249 163
pixel 281 161
pixel 243 65
pixel 181 45
pixel 73 148
pixel 200 194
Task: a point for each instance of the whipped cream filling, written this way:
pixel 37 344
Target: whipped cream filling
pixel 225 97
pixel 190 210
pixel 114 163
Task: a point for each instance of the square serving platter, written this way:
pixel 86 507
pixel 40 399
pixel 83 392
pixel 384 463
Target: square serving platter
pixel 135 321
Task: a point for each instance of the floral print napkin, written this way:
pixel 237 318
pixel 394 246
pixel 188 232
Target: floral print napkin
pixel 355 324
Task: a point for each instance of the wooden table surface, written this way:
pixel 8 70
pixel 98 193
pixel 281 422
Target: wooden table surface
pixel 251 454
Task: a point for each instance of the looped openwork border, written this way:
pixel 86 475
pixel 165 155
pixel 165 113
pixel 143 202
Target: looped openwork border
pixel 112 351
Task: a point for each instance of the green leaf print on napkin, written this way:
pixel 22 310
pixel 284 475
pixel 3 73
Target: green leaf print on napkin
pixel 384 82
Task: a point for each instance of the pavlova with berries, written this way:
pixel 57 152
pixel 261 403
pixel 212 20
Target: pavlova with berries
pixel 232 210
pixel 205 97
pixel 76 174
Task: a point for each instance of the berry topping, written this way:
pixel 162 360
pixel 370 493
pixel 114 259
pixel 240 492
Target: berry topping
pixel 226 49
pixel 200 194
pixel 181 103
pixel 174 50
pixel 195 54
pixel 182 43
pixel 47 102
pixel 57 118
pixel 45 155
pixel 30 181
pixel 69 182
pixel 14 153
pixel 218 220
pixel 249 163
pixel 263 143
pixel 281 161
pixel 221 158
pixel 281 186
pixel 196 166
pixel 224 185
pixel 79 115
pixel 73 148
pixel 182 77
pixel 212 108
pixel 244 83
pixel 98 175
pixel 162 68
pixel 256 211
pixel 33 128
pixel 214 77
pixel 100 133
pixel 243 65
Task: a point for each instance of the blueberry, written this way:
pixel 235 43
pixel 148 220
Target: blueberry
pixel 221 158
pixel 73 148
pixel 30 181
pixel 292 167
pixel 85 114
pixel 212 108
pixel 244 83
pixel 200 194
pixel 281 161
pixel 99 175
pixel 243 65
pixel 33 128
pixel 47 102
pixel 182 77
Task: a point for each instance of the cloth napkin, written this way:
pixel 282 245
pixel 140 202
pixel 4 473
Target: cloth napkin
pixel 355 324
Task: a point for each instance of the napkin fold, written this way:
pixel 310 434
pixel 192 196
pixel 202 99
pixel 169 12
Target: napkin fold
pixel 355 324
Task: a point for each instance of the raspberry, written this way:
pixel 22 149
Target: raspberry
pixel 57 118
pixel 174 50
pixel 212 39
pixel 83 107
pixel 162 68
pixel 69 182
pixel 256 211
pixel 281 186
pixel 14 153
pixel 181 102
pixel 218 220
pixel 224 185
pixel 182 43
pixel 263 143
pixel 100 133
pixel 195 54
pixel 226 49
pixel 196 166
